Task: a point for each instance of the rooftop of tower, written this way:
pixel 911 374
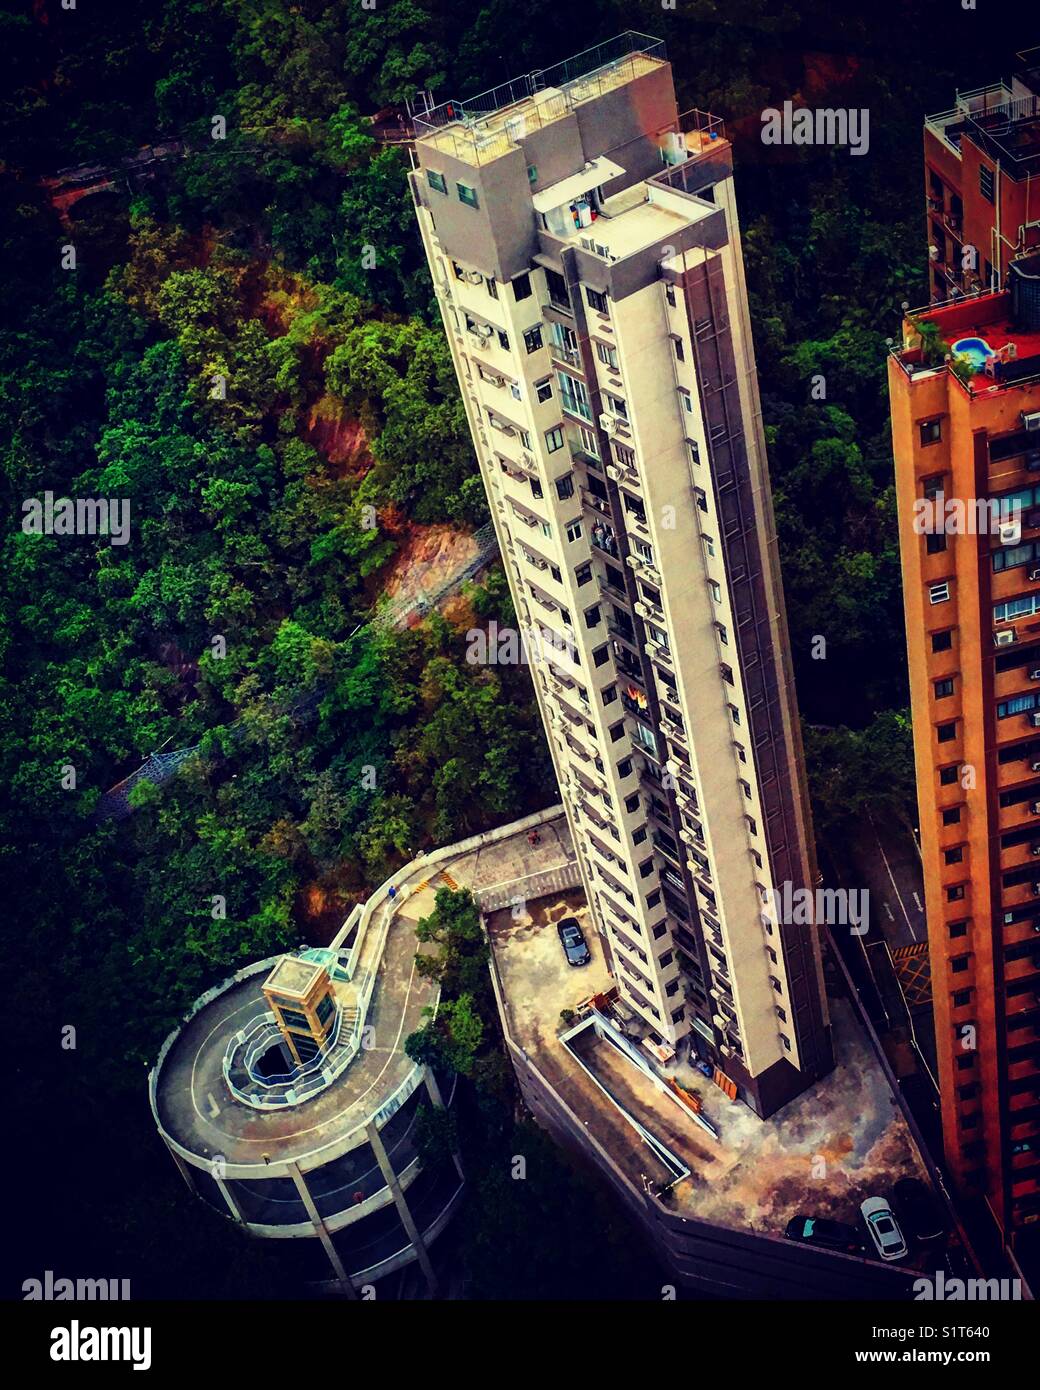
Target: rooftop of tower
pixel 1002 119
pixel 483 127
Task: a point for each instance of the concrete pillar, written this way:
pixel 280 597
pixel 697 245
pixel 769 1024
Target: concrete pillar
pixel 183 1168
pixel 434 1092
pixel 343 1278
pixel 403 1210
pixel 225 1192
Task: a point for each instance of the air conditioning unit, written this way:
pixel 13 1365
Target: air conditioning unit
pixel 614 474
pixel 1034 675
pixel 1035 767
pixel 1034 574
pixel 933 252
pixel 1034 719
pixel 1034 807
pixel 608 423
pixel 472 277
pixel 1036 889
pixel 642 609
pixel 1010 532
pixel 1034 848
pixel 1004 637
pixel 632 561
pixel 1031 420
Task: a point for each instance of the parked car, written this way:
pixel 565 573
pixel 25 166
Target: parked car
pixel 882 1228
pixel 574 947
pixel 831 1235
pixel 919 1211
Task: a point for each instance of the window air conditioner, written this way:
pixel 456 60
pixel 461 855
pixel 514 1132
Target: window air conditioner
pixel 1031 420
pixel 1034 574
pixel 614 474
pixel 1004 637
pixel 473 277
pixel 1034 675
pixel 1034 807
pixel 1034 719
pixel 1010 532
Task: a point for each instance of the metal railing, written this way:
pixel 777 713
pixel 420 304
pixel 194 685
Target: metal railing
pixel 481 128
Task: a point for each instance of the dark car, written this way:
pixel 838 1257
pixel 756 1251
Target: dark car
pixel 831 1235
pixel 919 1210
pixel 574 947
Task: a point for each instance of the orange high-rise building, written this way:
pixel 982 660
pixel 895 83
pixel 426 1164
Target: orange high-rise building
pixel 965 394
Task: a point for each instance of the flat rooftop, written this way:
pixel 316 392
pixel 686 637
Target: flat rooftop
pixel 293 976
pixel 482 128
pixel 841 1141
pixel 987 317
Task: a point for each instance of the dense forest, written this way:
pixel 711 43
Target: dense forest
pixel 211 337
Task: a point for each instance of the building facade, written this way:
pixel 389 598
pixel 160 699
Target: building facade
pixel 965 398
pixel 982 159
pixel 585 251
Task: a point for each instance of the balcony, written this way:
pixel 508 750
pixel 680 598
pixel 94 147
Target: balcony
pixel 567 357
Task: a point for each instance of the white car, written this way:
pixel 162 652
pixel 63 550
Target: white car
pixel 883 1228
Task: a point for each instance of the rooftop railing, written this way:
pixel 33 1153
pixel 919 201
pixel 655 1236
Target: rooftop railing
pixel 485 126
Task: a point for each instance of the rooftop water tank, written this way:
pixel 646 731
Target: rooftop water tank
pixel 1024 283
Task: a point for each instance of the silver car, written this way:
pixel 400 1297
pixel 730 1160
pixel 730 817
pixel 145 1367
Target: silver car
pixel 883 1228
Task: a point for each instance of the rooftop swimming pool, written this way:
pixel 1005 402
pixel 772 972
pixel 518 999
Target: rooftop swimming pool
pixel 976 350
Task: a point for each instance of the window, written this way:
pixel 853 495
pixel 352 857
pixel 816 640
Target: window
pixel 556 573
pixel 632 803
pixel 946 733
pixel 573 531
pixel 607 355
pixel 745 787
pixel 958 929
pixel 492 286
pixel 986 183
pixel 436 181
pixel 565 487
pixel 574 396
pixel 680 355
pixel 959 964
pixel 521 287
pixel 536 488
pixel 948 775
pixel 532 173
pixel 716 590
pixel 702 498
pixel 960 998
pixel 587 442
pixel 935 544
pixel 955 894
pixel 931 432
pixel 592 616
pixel 582 575
pixel 543 389
pixel 1016 608
pixel 609 694
pixel 503 339
pixel 600 655
pixel 467 195
pixel 616 404
pixel 944 688
pixel 939 593
pixel 533 339
pixel 954 856
pixel 554 441
pixel 727 673
pixel 942 641
pixel 687 401
pixel 951 815
pixel 557 288
pixel 596 300
pixel 695 450
pixel 669 294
